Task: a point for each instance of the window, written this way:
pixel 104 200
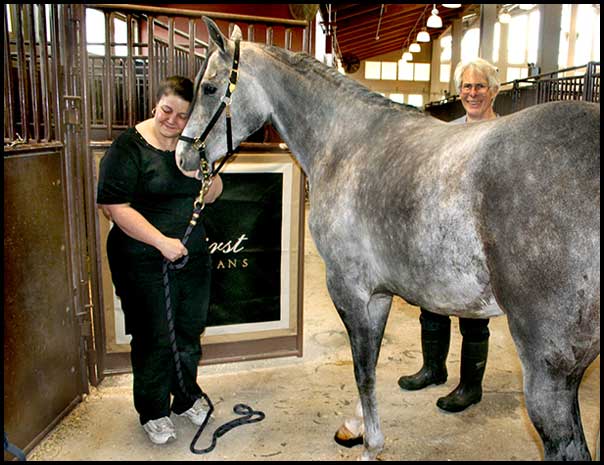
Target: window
pixel 413 71
pixel 320 38
pixel 579 35
pixel 95 31
pixel 405 71
pixel 445 73
pixel 120 32
pixel 523 38
pixel 389 70
pixel 96 35
pixel 496 41
pixel 469 44
pixel 422 72
pixel 372 70
pixel 445 58
pixel 417 100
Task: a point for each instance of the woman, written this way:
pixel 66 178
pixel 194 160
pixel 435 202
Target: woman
pixel 150 203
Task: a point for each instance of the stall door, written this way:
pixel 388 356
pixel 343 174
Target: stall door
pixel 46 307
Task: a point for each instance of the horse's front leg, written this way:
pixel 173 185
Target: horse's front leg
pixel 364 317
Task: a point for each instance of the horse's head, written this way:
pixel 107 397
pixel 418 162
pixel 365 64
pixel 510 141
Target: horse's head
pixel 206 131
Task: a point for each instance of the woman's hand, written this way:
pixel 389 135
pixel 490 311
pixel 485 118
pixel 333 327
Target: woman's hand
pixel 172 249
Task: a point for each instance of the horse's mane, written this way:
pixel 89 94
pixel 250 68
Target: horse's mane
pixel 304 63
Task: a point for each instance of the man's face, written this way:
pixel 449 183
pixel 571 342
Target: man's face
pixel 476 96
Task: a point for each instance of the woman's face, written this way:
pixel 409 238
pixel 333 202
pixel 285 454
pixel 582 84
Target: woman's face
pixel 171 115
pixel 476 96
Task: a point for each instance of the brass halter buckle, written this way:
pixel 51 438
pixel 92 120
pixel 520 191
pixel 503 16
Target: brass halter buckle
pixel 206 181
pixel 198 145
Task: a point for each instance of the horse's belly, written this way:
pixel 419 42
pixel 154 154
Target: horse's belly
pixel 483 309
pixel 465 294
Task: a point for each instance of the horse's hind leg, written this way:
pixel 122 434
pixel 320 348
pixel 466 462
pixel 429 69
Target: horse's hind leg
pixel 365 320
pixel 551 385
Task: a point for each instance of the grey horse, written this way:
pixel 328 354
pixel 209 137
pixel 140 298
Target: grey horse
pixel 479 220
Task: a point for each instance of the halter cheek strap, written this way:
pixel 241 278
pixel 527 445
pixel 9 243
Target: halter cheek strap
pixel 198 143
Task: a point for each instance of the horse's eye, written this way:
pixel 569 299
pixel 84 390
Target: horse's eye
pixel 209 89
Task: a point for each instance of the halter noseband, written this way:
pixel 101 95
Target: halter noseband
pixel 198 143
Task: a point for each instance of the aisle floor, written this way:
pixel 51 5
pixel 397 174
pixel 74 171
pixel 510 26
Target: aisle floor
pixel 306 399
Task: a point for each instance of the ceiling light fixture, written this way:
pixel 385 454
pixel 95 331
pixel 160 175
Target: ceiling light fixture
pixel 415 48
pixel 407 56
pixel 423 35
pixel 451 5
pixel 505 17
pixel 434 20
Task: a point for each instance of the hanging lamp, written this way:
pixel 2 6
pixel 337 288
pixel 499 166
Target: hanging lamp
pixel 434 20
pixel 451 5
pixel 505 17
pixel 423 35
pixel 415 48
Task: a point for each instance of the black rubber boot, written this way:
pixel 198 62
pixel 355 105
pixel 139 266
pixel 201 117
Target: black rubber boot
pixel 469 390
pixel 435 348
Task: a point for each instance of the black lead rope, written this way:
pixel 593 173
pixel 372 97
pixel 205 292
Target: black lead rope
pixel 248 414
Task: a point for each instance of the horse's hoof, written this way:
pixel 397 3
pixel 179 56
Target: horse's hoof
pixel 345 438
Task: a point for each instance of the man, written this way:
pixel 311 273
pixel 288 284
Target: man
pixel 478 86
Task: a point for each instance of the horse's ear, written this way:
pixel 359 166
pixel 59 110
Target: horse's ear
pixel 236 33
pixel 215 34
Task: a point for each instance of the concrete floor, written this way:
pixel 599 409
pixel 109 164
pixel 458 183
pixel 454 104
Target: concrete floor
pixel 306 399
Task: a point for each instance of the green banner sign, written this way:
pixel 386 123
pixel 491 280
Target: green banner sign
pixel 244 237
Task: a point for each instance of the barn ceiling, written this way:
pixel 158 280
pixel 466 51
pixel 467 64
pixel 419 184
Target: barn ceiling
pixel 366 30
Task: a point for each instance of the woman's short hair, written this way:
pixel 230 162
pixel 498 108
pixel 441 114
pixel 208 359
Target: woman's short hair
pixel 483 67
pixel 176 85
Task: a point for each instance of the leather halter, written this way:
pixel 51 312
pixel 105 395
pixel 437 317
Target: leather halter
pixel 198 143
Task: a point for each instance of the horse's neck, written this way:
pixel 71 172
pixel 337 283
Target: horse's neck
pixel 305 109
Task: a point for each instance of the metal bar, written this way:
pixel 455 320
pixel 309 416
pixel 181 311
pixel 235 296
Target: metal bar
pixel 192 70
pixel 152 62
pixel 54 75
pixel 34 116
pixel 170 46
pixel 130 72
pixel 9 122
pixel 306 40
pixel 89 204
pixel 588 79
pixel 288 39
pixel 108 81
pixel 23 96
pixel 198 14
pixel 44 72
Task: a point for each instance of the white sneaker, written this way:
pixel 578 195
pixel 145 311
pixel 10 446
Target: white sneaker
pixel 161 430
pixel 197 413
